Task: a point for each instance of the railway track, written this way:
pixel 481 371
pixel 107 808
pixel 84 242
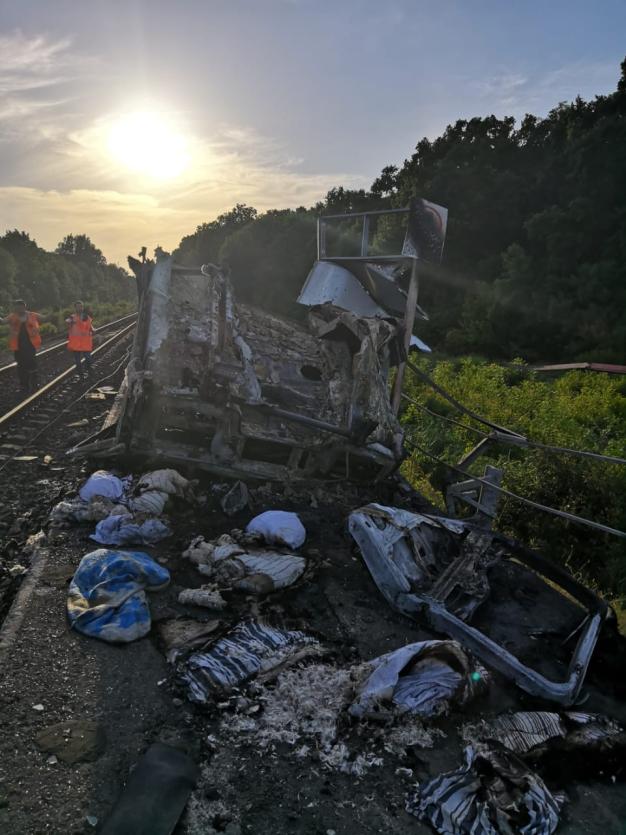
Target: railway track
pixel 50 362
pixel 34 435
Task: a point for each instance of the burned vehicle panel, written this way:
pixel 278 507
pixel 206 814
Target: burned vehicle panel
pixel 240 392
pixel 438 570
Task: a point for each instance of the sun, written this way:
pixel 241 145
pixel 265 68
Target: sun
pixel 148 143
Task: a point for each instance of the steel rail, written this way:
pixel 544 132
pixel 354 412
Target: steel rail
pixel 62 344
pixel 44 389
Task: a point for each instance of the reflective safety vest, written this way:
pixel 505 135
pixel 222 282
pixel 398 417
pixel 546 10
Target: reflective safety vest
pixel 32 329
pixel 80 334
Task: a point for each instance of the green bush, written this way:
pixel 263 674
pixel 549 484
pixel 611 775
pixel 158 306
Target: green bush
pixel 579 410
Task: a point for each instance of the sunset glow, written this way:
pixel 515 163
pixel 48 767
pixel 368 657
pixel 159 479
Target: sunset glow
pixel 148 143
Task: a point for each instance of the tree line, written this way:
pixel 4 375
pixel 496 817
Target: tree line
pixel 77 269
pixel 535 258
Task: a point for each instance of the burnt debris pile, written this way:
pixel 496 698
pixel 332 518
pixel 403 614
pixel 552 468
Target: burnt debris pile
pixel 310 610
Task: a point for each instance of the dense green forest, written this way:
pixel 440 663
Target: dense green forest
pixel 77 269
pixel 535 259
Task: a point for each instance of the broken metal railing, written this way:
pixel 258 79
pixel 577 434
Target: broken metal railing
pixel 457 405
pixel 545 508
pixel 514 439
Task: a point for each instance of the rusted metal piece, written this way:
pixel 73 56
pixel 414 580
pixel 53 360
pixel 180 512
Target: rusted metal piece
pixel 226 387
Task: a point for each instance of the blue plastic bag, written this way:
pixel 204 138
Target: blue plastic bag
pixel 107 597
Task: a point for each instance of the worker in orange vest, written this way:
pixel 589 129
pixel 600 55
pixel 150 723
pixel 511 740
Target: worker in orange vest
pixel 24 341
pixel 80 338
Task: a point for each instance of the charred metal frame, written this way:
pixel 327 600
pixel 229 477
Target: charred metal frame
pixel 240 406
pixel 219 385
pixel 395 587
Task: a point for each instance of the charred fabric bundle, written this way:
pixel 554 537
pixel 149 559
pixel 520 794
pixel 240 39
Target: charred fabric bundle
pixel 242 393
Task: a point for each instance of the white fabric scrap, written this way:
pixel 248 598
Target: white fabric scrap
pixel 249 649
pixel 278 527
pixel 152 502
pixel 102 483
pixel 252 570
pixel 168 481
pixel 492 793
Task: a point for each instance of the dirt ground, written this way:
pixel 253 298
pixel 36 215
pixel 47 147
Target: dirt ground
pixel 249 783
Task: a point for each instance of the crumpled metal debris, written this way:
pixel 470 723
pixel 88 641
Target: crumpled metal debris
pixel 494 793
pixel 252 649
pixel 429 555
pixel 424 678
pixel 434 569
pixel 243 393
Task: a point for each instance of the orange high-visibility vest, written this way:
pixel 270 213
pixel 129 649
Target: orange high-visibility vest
pixel 80 334
pixel 32 329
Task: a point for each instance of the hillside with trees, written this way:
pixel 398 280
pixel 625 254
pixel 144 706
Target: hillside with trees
pixel 77 269
pixel 535 257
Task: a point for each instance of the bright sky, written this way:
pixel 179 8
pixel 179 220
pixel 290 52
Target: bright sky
pixel 135 120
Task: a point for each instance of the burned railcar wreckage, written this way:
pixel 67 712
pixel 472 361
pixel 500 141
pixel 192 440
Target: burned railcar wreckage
pixel 219 385
pixel 241 392
pixel 235 390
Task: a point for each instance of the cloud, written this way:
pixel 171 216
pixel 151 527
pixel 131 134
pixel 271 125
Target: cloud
pixel 121 222
pixel 122 210
pixel 502 88
pixel 30 69
pixel 517 94
pixel 32 63
pixel 74 184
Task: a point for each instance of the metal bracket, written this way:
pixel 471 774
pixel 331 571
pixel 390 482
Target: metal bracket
pixel 478 495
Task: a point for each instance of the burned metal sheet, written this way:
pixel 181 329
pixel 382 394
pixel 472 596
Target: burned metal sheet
pixel 436 568
pixel 371 282
pixel 329 283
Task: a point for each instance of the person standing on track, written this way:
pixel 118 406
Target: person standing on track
pixel 80 338
pixel 24 341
